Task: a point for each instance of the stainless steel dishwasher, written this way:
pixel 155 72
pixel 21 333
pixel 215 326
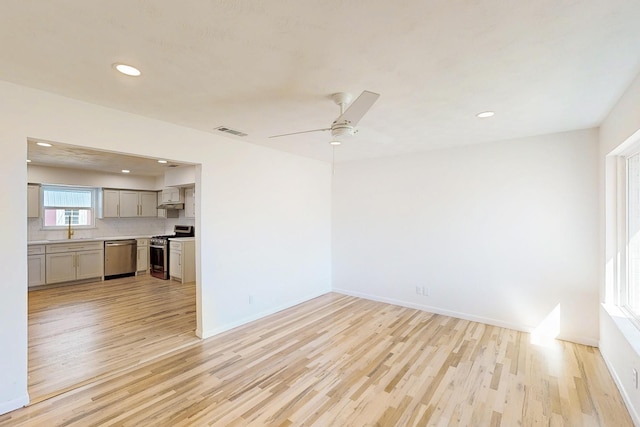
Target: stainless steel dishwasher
pixel 120 258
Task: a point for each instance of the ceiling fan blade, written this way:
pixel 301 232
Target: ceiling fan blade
pixel 358 108
pixel 297 133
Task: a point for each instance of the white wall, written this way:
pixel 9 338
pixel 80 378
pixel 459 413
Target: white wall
pixel 180 176
pixel 619 338
pixel 263 219
pixel 500 233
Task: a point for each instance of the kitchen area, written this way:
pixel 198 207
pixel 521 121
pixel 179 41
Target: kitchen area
pixel 111 262
pixel 86 224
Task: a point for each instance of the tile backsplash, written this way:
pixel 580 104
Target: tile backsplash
pixel 109 227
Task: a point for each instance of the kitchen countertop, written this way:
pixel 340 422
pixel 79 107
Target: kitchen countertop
pixel 87 239
pixel 182 239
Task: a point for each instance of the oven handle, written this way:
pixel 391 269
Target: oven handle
pixel 157 246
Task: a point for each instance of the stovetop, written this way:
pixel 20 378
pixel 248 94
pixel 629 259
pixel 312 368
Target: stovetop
pixel 179 231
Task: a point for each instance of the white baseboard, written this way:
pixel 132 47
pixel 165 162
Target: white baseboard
pixel 635 417
pixel 464 316
pixel 14 404
pixel 257 316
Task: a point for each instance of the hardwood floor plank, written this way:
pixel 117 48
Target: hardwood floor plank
pixel 81 331
pixel 343 361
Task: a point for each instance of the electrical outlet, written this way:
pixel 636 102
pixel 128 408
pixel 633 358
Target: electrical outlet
pixel 634 378
pixel 250 299
pixel 425 292
pixel 418 290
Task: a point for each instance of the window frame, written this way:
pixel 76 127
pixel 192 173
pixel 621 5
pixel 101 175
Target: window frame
pixel 93 209
pixel 621 292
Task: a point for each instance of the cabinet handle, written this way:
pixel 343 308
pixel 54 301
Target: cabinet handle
pixel 118 209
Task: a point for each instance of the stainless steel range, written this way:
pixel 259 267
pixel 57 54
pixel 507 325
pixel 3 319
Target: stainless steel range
pixel 159 250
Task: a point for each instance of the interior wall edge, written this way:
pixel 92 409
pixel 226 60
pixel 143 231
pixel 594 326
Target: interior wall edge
pixel 229 326
pixel 14 404
pixel 466 316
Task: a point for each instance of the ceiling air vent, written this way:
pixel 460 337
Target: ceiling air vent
pixel 230 131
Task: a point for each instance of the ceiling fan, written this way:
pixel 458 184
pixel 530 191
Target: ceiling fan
pixel 344 125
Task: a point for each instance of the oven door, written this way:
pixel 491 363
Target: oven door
pixel 159 260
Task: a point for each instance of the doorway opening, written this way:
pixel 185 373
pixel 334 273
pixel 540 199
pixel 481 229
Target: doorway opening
pixel 83 330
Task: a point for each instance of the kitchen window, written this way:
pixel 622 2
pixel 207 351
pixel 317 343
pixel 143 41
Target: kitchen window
pixel 68 205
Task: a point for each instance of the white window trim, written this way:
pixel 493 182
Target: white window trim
pixel 620 290
pixel 94 208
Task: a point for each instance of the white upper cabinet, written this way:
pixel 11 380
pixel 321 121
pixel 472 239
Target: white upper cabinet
pixel 148 203
pixel 33 201
pixel 172 195
pixel 110 203
pixel 128 204
pixel 189 203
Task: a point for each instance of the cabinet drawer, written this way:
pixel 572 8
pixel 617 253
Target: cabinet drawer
pixel 74 247
pixel 142 242
pixel 35 250
pixel 175 246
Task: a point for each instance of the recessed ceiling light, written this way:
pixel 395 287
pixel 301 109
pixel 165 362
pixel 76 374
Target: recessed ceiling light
pixel 162 161
pixel 127 69
pixel 43 144
pixel 335 142
pixel 485 114
pixel 28 161
pixel 125 171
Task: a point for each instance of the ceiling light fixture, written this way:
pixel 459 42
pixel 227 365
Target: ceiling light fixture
pixel 335 142
pixel 43 144
pixel 125 171
pixel 28 161
pixel 127 70
pixel 162 161
pixel 485 114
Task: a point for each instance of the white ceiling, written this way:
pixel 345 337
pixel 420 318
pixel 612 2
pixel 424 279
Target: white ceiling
pixel 268 68
pixel 74 157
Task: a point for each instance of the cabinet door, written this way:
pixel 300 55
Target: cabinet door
pixel 172 195
pixel 189 203
pixel 129 206
pixel 175 263
pixel 89 264
pixel 61 267
pixel 143 258
pixel 110 203
pixel 148 204
pixel 36 273
pixel 33 201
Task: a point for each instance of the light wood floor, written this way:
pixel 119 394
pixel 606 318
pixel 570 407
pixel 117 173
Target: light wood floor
pixel 79 332
pixel 344 361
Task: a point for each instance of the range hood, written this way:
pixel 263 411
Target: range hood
pixel 171 206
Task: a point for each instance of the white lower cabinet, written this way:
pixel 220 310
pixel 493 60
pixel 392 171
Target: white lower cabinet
pixel 36 265
pixel 74 261
pixel 143 256
pixel 182 261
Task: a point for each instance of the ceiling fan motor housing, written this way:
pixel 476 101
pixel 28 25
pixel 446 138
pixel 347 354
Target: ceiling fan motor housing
pixel 341 130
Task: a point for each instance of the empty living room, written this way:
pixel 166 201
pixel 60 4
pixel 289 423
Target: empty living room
pixel 407 214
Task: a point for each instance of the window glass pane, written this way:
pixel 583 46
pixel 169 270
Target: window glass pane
pixel 71 198
pixel 633 237
pixel 60 217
